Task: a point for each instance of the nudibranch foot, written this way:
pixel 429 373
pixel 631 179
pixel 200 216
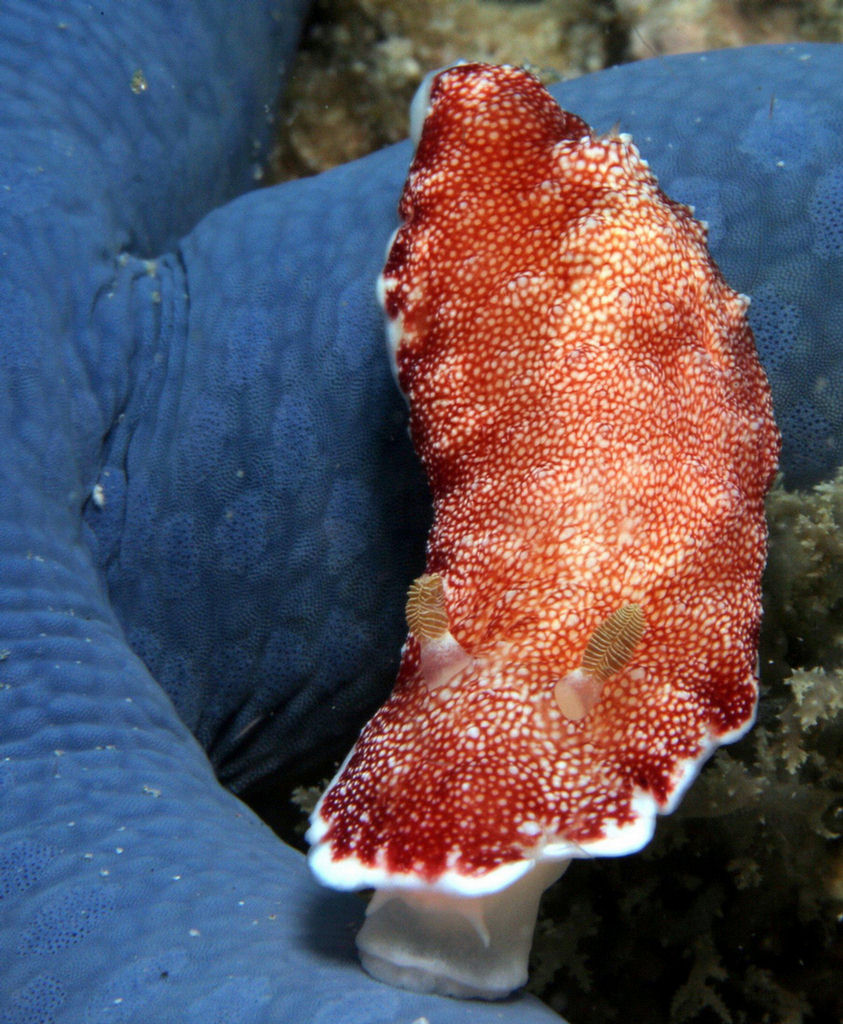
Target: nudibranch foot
pixel 470 947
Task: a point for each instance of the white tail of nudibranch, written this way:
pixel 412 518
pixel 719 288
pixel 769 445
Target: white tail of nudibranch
pixel 471 947
pixel 609 649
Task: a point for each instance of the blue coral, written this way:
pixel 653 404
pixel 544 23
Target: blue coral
pixel 209 508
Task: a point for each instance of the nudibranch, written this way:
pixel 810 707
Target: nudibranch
pixel 597 430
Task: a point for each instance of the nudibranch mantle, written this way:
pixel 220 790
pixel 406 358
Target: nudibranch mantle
pixel 598 435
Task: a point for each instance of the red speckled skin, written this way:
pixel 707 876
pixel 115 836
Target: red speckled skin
pixel 597 430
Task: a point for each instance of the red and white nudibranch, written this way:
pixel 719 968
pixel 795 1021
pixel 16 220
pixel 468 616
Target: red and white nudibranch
pixel 597 430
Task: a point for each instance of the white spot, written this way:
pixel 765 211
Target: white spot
pixel 530 828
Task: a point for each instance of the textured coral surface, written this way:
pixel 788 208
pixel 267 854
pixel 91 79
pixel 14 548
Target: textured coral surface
pixel 361 60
